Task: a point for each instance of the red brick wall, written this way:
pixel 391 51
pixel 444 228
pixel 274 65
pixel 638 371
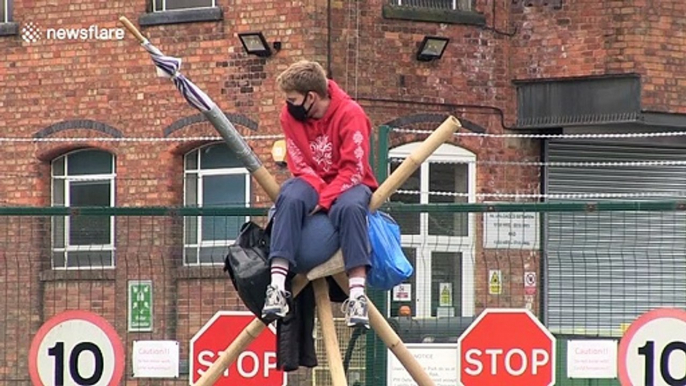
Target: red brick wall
pixel 20 292
pixel 114 83
pixel 571 41
pixel 606 37
pixel 381 52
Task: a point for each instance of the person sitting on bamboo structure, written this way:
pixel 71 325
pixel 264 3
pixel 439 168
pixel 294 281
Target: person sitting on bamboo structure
pixel 327 144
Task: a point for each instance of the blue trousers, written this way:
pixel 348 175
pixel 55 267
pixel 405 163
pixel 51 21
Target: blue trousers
pixel 294 232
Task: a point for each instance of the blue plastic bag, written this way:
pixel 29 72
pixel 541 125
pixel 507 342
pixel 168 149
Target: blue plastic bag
pixel 390 267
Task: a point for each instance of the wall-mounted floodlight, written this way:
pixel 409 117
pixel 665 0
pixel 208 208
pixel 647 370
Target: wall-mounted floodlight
pixel 254 43
pixel 432 48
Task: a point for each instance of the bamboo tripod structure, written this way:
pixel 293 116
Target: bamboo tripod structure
pixel 335 267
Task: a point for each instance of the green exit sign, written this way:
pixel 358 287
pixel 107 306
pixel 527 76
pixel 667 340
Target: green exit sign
pixel 140 305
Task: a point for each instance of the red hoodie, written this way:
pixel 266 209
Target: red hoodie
pixel 331 153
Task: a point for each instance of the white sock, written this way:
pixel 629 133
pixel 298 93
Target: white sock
pixel 279 269
pixel 356 285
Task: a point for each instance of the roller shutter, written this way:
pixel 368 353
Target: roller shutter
pixel 605 269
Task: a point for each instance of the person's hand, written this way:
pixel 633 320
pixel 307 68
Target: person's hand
pixel 315 210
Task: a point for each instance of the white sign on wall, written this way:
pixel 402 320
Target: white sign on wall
pixel 592 358
pixel 155 359
pixel 516 230
pixel 439 360
pixel 402 292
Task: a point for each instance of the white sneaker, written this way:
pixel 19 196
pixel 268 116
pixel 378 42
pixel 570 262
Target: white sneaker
pixel 276 303
pixel 356 312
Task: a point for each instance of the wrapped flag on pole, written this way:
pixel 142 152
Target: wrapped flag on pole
pixel 169 67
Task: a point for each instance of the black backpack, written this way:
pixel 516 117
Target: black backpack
pixel 247 263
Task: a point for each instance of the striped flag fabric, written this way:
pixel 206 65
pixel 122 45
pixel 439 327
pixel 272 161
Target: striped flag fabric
pixel 168 67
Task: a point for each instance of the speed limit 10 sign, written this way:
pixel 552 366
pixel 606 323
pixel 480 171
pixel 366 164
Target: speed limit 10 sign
pixel 653 350
pixel 76 348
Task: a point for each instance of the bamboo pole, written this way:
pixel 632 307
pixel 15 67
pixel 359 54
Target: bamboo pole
pixel 439 136
pixel 378 322
pixel 132 28
pixel 413 161
pixel 391 339
pixel 333 351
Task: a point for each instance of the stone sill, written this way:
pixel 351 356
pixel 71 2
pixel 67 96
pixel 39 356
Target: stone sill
pixel 181 16
pixel 9 29
pixel 105 274
pixel 433 15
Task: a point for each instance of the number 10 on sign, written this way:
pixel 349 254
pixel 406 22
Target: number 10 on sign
pixel 653 350
pixel 74 366
pixel 76 348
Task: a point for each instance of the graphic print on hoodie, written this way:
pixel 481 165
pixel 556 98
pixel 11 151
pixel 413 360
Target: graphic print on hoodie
pixel 330 153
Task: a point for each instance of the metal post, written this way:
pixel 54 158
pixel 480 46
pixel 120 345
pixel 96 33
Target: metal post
pixel 372 159
pixel 376 353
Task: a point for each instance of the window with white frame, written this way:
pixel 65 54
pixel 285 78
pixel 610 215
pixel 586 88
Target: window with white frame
pixel 5 11
pixel 172 5
pixel 83 178
pixel 440 246
pixel 464 5
pixel 214 177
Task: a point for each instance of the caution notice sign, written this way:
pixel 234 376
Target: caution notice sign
pixel 495 282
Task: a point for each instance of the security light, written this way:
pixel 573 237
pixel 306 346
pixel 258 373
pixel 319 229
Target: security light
pixel 254 43
pixel 432 48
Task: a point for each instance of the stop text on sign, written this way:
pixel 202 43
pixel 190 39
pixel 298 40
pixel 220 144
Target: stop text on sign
pixel 491 355
pixel 248 363
pixel 514 362
pixel 255 365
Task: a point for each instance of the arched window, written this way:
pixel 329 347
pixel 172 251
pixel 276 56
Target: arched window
pixel 83 178
pixel 213 177
pixel 440 245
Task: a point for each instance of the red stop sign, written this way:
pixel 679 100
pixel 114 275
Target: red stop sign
pixel 506 347
pixel 256 366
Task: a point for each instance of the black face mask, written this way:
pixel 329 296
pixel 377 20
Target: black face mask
pixel 299 112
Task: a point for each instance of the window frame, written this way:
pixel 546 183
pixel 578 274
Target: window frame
pixel 425 244
pixel 7 9
pixel 164 7
pixel 111 247
pixel 201 173
pixel 464 14
pixel 456 5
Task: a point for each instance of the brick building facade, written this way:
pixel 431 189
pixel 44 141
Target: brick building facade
pixel 96 90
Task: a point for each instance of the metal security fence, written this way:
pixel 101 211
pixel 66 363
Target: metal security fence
pixel 582 279
pixel 151 282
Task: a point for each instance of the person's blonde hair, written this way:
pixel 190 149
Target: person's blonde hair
pixel 302 77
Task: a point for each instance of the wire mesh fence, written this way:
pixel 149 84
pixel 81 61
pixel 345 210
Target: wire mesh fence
pixel 588 237
pixel 585 269
pixel 145 284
